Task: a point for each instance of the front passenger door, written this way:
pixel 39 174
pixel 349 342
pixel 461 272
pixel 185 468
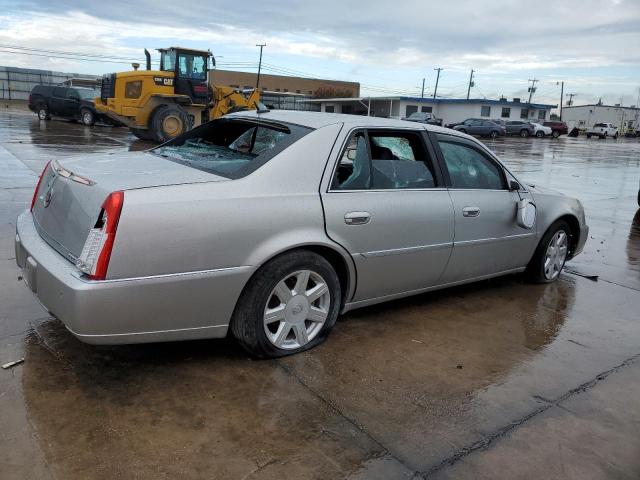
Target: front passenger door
pixel 487 238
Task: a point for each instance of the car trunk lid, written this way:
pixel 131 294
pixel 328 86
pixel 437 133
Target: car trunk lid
pixel 72 191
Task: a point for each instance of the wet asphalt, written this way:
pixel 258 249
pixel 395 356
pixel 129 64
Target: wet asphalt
pixel 498 379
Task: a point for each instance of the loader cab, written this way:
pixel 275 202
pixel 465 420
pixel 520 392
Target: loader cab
pixel 190 68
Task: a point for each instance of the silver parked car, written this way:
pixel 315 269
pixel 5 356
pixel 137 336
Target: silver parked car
pixel 268 225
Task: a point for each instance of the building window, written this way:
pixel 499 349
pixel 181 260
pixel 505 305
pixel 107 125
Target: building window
pixel 286 90
pixel 234 86
pixel 329 108
pixel 310 92
pixel 298 91
pixel 277 89
pixel 248 87
pixel 426 109
pixel 485 111
pixel 506 112
pixel 410 109
pixel 524 113
pixel 542 114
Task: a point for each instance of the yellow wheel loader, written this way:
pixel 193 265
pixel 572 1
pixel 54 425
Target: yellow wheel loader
pixel 161 104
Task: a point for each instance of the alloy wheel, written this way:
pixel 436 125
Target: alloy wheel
pixel 556 254
pixel 296 310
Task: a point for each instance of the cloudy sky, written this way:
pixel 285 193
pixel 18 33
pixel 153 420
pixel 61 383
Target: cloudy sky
pixel 593 45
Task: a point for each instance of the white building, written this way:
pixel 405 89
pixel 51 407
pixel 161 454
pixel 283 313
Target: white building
pixel 584 116
pixel 450 110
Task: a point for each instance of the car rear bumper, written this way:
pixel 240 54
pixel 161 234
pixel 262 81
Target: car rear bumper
pixel 158 308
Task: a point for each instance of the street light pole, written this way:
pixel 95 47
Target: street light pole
pixel 261 45
pixel 561 97
pixel 470 84
pixel 422 95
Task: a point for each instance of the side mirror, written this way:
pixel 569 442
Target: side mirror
pixel 352 154
pixel 514 186
pixel 526 214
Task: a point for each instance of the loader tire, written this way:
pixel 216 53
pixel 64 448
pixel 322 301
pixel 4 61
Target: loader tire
pixel 168 122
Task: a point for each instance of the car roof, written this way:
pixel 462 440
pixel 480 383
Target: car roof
pixel 321 119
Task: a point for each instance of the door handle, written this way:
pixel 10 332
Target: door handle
pixel 470 211
pixel 357 218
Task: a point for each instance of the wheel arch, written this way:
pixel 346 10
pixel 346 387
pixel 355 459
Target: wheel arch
pixel 574 235
pixel 339 259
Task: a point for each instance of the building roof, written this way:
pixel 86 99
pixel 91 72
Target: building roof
pixel 484 101
pixel 632 107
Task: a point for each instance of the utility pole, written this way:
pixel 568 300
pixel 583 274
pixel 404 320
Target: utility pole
pixel 570 102
pixel 532 88
pixel 561 96
pixel 435 90
pixel 422 96
pixel 471 84
pixel 261 45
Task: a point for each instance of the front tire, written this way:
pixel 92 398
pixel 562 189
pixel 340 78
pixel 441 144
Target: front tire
pixel 555 134
pixel 87 117
pixel 289 306
pixel 524 133
pixel 168 122
pixel 494 134
pixel 551 254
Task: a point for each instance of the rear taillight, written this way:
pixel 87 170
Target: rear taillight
pixel 35 193
pixel 95 255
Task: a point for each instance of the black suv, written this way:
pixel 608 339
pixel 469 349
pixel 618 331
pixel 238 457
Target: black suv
pixel 75 103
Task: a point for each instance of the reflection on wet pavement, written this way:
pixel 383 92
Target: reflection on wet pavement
pixel 404 387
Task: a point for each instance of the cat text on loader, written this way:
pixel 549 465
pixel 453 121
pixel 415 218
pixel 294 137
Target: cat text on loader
pixel 161 104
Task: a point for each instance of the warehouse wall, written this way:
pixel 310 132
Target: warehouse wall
pixel 17 83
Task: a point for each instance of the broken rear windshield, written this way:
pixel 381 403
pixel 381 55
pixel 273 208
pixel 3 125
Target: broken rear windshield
pixel 231 147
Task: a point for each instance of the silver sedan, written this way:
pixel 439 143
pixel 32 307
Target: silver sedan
pixel 269 225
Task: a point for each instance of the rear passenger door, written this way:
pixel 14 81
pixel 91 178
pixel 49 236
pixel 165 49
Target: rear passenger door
pixel 387 205
pixel 487 238
pixel 72 103
pixel 58 101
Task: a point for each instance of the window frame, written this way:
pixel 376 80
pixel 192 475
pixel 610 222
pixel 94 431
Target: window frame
pixel 424 139
pixel 508 109
pixel 482 107
pixel 504 172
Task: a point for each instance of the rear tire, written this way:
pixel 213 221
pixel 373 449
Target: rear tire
pixel 494 134
pixel 270 324
pixel 539 134
pixel 524 133
pixel 555 134
pixel 168 122
pixel 43 113
pixel 537 270
pixel 616 136
pixel 87 117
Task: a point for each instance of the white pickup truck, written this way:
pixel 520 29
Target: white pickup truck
pixel 603 130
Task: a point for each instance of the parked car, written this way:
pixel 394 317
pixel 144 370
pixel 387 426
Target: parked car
pixel 519 127
pixel 540 130
pixel 557 128
pixel 477 126
pixel 423 117
pixel 268 225
pixel 75 103
pixel 602 130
